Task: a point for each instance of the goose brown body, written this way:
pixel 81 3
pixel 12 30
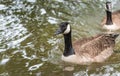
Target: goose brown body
pixel 87 50
pixel 98 48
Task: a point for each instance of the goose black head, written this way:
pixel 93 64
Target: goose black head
pixel 64 28
pixel 108 6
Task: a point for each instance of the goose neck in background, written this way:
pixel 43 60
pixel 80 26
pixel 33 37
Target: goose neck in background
pixel 109 18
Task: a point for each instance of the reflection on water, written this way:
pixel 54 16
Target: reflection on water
pixel 28 46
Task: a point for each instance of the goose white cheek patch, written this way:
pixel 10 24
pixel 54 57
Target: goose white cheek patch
pixel 67 30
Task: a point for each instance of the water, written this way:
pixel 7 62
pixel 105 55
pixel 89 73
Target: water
pixel 28 46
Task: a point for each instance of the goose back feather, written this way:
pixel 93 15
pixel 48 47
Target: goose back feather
pixel 97 43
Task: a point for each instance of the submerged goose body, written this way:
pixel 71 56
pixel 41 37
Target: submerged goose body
pixel 87 50
pixel 112 20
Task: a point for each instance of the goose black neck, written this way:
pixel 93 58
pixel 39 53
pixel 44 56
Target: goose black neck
pixel 68 50
pixel 109 18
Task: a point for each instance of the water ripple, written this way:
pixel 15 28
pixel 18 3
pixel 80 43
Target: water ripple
pixel 12 32
pixel 4 61
pixel 2 7
pixel 35 67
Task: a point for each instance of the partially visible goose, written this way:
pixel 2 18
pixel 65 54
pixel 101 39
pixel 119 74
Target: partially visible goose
pixel 112 20
pixel 87 50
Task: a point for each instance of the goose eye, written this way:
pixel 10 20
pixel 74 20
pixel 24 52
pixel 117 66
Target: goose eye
pixel 64 28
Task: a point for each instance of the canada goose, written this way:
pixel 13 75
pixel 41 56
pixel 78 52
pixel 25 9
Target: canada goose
pixel 112 20
pixel 87 50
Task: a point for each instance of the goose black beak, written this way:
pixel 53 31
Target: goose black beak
pixel 59 31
